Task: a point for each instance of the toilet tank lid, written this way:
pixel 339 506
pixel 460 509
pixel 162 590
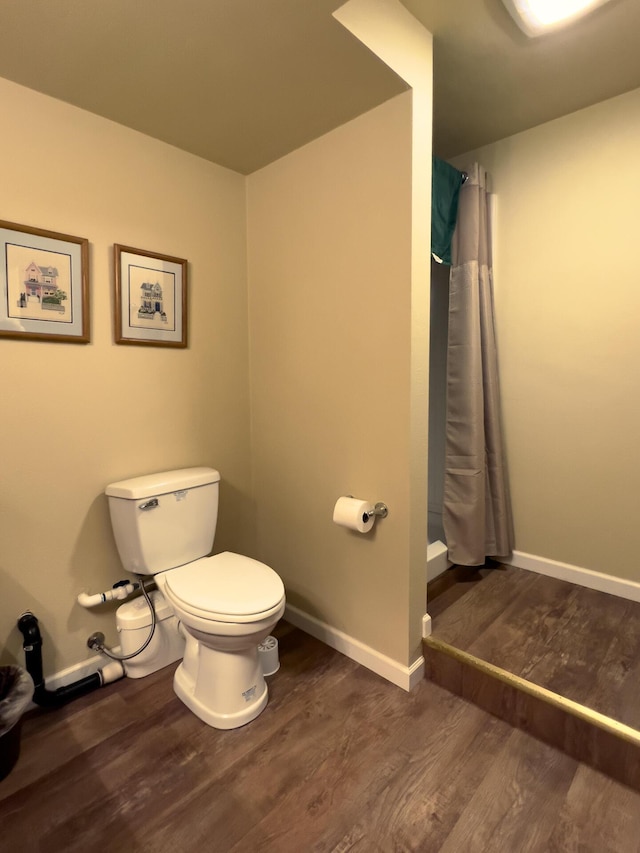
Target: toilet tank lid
pixel 163 483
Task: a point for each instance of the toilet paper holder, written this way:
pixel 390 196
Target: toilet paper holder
pixel 380 510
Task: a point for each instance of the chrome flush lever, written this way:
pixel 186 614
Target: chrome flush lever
pixel 152 504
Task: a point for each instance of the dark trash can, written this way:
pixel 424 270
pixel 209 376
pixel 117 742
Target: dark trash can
pixel 16 691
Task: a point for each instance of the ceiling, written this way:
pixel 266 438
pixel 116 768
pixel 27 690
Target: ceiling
pixel 244 82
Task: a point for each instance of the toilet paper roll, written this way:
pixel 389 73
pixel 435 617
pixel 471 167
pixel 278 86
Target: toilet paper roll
pixel 352 513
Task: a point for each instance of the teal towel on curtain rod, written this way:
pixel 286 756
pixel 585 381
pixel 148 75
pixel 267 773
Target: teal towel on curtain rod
pixel 445 190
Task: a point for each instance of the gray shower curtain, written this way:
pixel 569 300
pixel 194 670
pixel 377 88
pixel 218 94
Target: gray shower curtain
pixel 477 511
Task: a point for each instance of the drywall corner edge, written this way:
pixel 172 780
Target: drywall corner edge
pixel 392 33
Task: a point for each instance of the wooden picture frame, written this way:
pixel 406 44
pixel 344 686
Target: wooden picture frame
pixel 44 284
pixel 150 298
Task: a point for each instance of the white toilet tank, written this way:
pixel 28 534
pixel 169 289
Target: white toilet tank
pixel 164 520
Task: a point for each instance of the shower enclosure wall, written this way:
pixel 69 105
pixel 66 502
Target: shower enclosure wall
pixel 437 560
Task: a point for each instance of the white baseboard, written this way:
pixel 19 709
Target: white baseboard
pixel 574 574
pixel 406 677
pixel 76 671
pixel 437 560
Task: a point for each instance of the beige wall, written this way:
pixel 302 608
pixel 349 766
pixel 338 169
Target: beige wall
pixel 338 332
pixel 75 417
pixel 568 315
pixel 330 329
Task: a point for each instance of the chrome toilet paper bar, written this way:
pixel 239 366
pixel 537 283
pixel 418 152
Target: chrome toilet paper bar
pixel 381 510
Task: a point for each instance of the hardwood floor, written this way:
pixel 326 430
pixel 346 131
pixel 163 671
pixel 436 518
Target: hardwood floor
pixel 340 760
pixel 580 643
pixel 554 659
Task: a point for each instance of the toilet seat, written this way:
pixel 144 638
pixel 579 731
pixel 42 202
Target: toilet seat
pixel 227 587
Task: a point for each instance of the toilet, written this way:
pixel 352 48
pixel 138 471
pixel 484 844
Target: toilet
pixel 164 525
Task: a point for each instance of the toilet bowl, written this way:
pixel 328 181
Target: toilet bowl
pixel 227 604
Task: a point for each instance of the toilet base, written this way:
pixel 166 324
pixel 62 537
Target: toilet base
pixel 225 689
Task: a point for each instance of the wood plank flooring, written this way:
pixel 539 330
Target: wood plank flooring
pixel 580 643
pixel 340 760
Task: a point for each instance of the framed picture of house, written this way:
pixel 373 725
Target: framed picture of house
pixel 44 284
pixel 150 298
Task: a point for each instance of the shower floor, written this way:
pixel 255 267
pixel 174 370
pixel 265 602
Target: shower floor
pixel 579 643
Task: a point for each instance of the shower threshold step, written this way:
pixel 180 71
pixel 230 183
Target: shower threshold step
pixel 593 738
